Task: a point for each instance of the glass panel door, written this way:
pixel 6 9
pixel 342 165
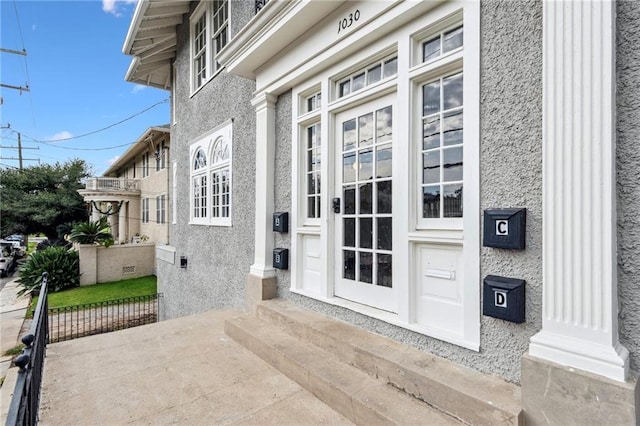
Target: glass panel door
pixel 364 146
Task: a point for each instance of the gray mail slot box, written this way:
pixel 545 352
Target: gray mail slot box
pixel 504 298
pixel 504 228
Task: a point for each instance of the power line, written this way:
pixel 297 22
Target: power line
pixel 100 130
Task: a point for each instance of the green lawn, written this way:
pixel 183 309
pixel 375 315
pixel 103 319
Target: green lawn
pixel 101 292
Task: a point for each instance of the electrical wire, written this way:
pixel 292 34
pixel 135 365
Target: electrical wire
pixel 26 65
pixel 164 101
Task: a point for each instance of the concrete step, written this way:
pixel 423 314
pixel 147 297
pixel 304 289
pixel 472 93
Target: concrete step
pixel 476 398
pixel 356 395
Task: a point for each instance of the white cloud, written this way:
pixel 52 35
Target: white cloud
pixel 113 6
pixel 138 88
pixel 65 134
pixel 112 160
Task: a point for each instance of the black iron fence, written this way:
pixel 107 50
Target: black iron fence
pixel 71 322
pixel 26 396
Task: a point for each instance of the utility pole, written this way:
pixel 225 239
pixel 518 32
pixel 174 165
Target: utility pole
pixel 8 86
pixel 19 148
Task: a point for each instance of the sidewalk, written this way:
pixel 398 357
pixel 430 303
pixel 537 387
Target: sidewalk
pixel 12 312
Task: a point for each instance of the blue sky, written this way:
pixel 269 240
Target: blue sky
pixel 75 70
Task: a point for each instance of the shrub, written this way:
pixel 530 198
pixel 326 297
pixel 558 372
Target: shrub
pixel 97 232
pixel 45 244
pixel 62 265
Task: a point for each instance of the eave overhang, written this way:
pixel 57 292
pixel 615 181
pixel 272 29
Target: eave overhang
pixel 152 41
pixel 277 25
pixel 144 142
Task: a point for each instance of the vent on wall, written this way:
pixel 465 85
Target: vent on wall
pixel 128 269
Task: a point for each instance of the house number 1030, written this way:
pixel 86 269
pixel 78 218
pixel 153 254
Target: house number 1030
pixel 348 21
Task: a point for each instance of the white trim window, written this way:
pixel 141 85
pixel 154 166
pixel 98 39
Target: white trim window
pixel 209 35
pixel 211 177
pixel 161 209
pixel 145 210
pixel 145 165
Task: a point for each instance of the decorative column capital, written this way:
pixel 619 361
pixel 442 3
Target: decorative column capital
pixel 264 100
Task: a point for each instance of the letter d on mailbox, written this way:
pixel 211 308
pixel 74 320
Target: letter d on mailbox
pixel 504 298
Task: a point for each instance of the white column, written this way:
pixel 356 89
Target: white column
pixel 95 214
pixel 580 308
pixel 123 221
pixel 265 105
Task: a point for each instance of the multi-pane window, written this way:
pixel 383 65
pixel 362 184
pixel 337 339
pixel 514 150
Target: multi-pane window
pixel 160 156
pixel 199 180
pixel 369 75
pixel 313 145
pixel 199 34
pixel 145 164
pixel 160 209
pixel 442 135
pixel 209 35
pixel 145 210
pixel 313 102
pixel 221 179
pixel 444 42
pixel 211 178
pixel 220 20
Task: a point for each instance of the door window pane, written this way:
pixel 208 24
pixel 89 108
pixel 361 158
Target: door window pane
pixel 384 121
pixel 366 267
pixel 365 198
pixel 349 135
pixel 350 200
pixel 349 232
pixel 384 197
pixel 365 165
pixel 349 167
pixel 366 232
pixel 384 270
pixel 383 162
pixel 365 124
pixel 349 264
pixel 384 233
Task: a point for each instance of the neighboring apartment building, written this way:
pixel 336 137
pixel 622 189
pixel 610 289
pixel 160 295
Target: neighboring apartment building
pixel 367 121
pixel 133 191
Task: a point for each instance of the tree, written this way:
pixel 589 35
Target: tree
pixel 97 232
pixel 39 199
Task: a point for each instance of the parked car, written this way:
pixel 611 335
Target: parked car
pixel 16 237
pixel 7 258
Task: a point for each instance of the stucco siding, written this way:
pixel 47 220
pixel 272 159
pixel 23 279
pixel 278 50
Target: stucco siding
pixel 218 257
pixel 628 179
pixel 511 176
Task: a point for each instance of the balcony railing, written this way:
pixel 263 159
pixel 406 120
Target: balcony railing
pixel 112 184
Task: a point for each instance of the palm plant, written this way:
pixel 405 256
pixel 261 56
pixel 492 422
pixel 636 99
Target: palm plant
pixel 97 232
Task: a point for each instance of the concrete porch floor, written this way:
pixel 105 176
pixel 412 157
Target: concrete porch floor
pixel 181 371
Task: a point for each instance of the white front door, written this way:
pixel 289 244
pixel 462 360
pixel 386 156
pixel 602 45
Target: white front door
pixel 364 141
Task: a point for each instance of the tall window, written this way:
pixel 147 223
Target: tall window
pixel 145 164
pixel 313 170
pixel 160 156
pixel 209 34
pixel 199 179
pixel 160 209
pixel 442 129
pixel 211 176
pixel 145 210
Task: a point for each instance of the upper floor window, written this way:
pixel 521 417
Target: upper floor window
pixel 160 155
pixel 209 35
pixel 145 164
pixel 211 176
pixel 444 42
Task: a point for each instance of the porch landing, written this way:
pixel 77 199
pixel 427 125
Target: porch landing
pixel 280 365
